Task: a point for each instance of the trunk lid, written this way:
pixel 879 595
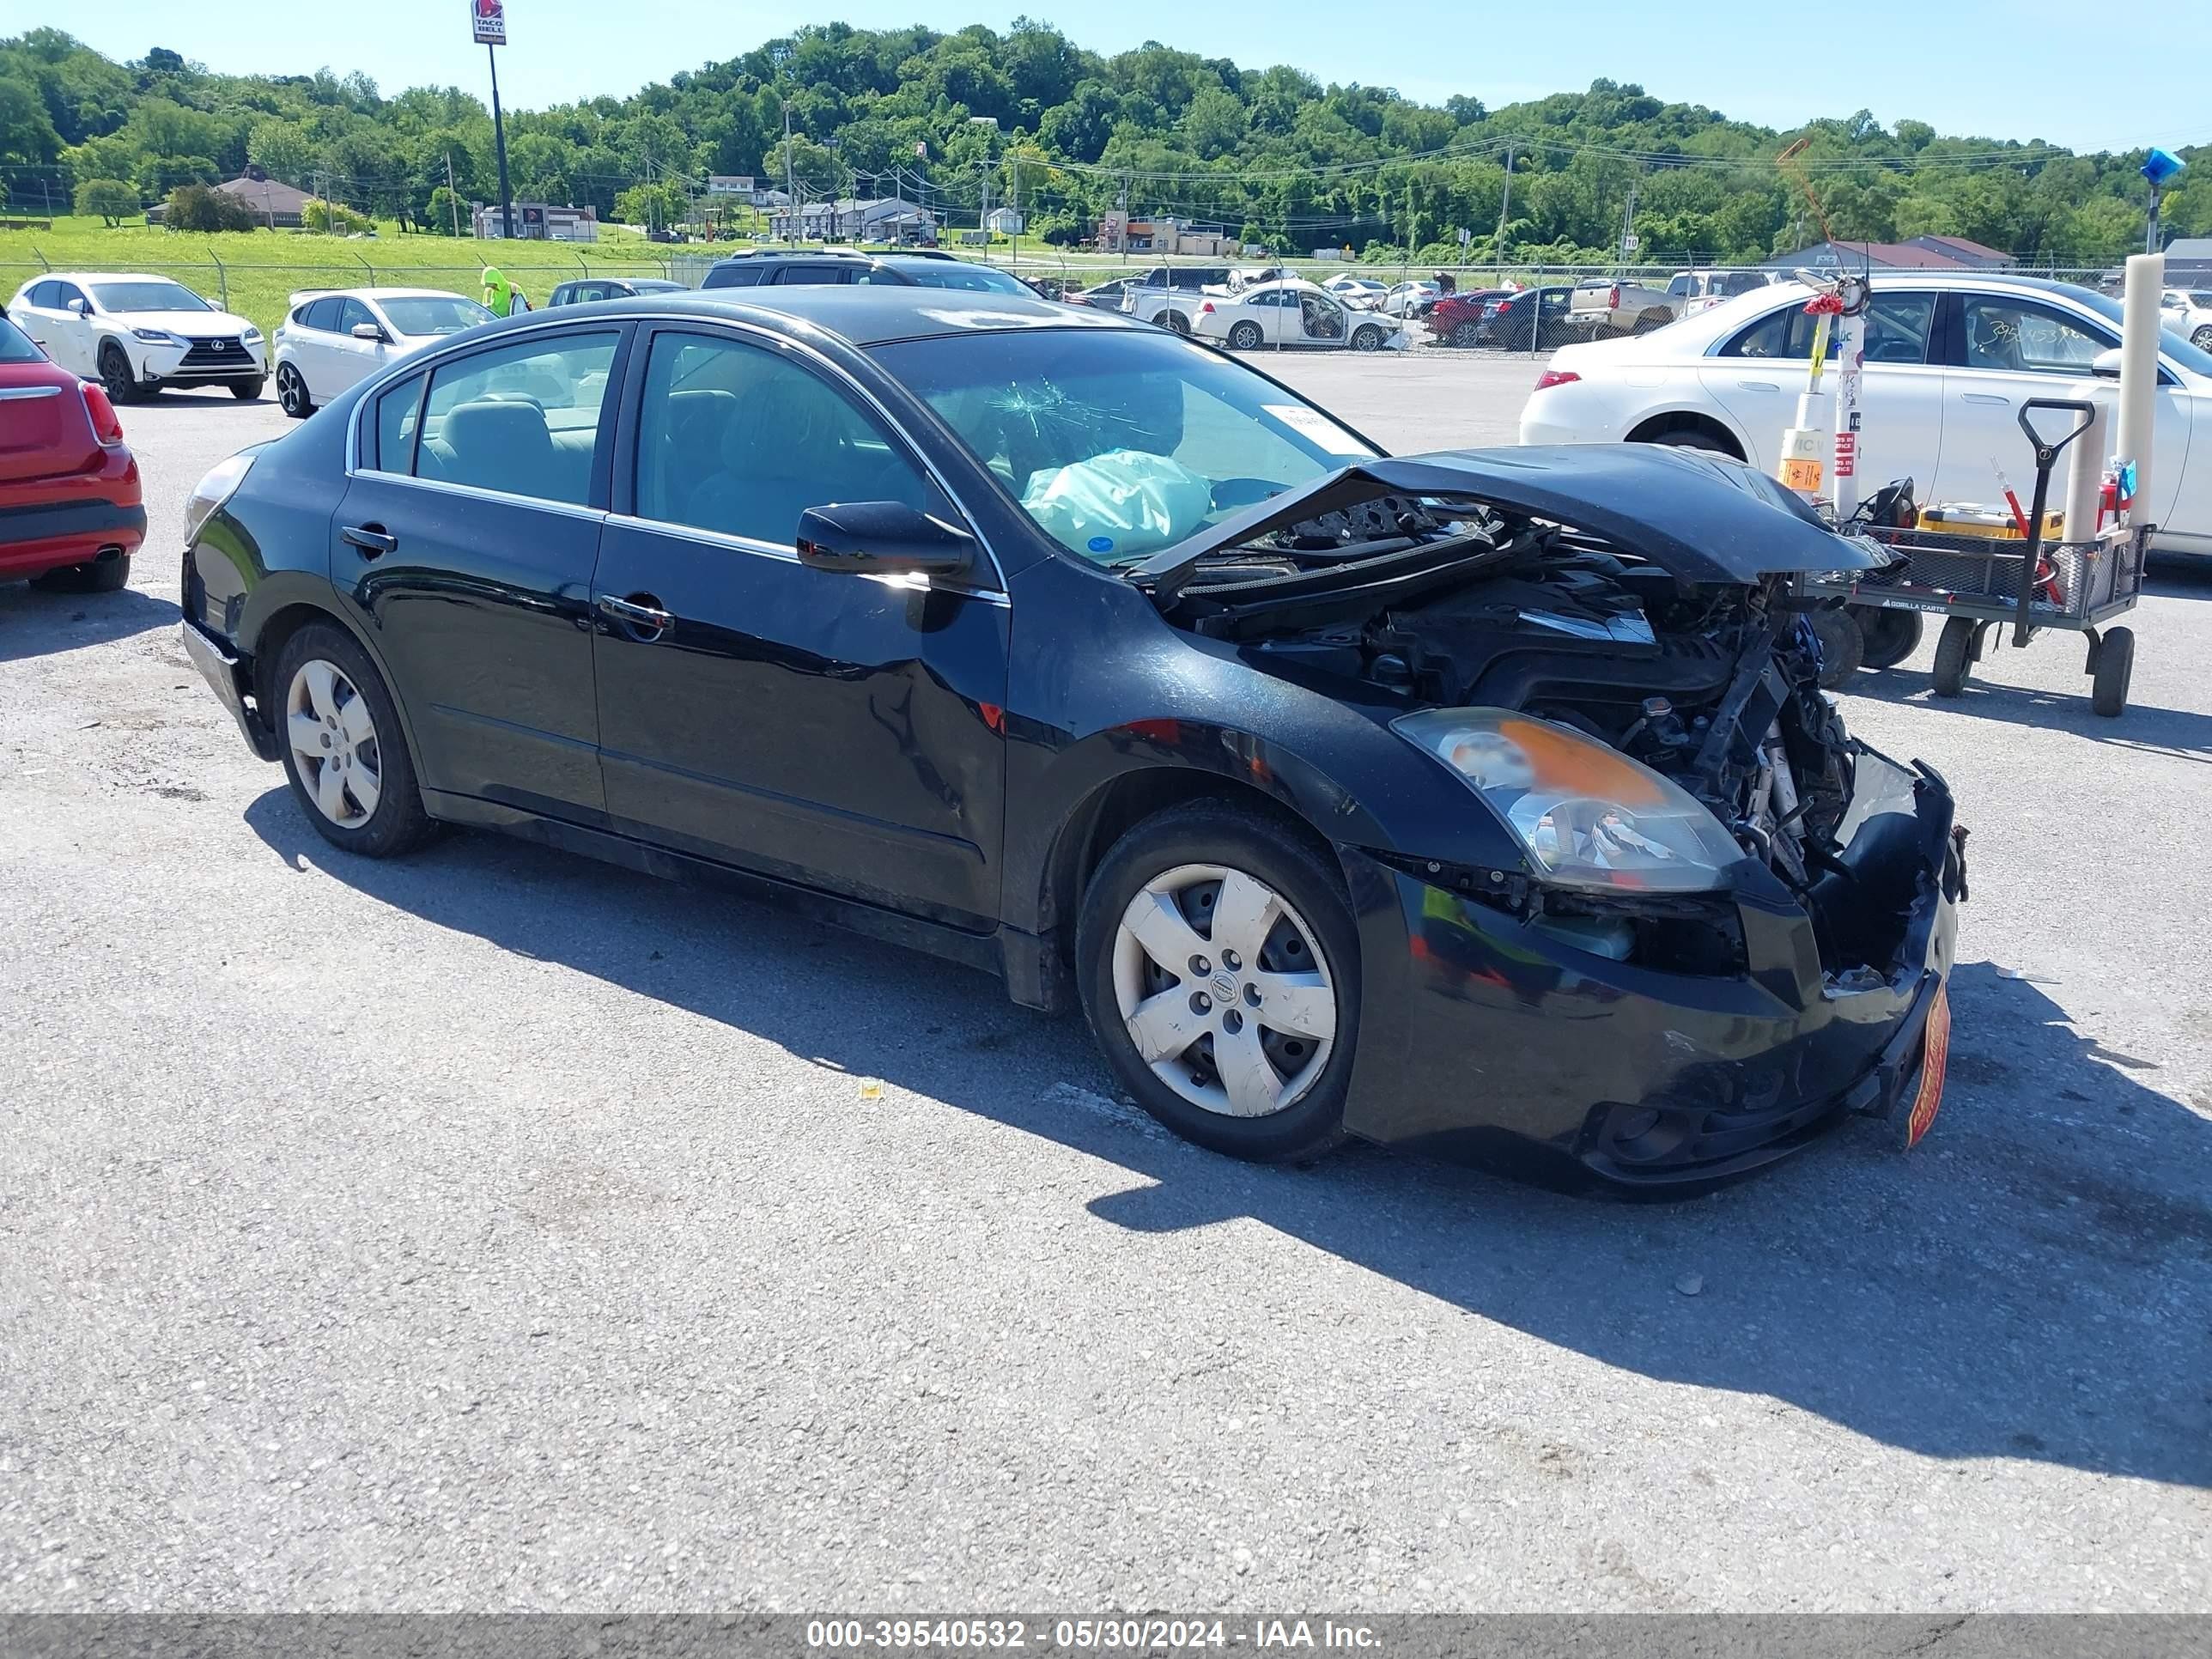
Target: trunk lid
pixel 45 430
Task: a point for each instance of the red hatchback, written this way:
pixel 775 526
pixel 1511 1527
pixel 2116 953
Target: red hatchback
pixel 71 511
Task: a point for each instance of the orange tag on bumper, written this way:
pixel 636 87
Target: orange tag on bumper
pixel 1934 1056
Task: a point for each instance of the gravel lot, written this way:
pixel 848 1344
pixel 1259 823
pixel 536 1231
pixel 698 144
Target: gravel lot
pixel 496 1230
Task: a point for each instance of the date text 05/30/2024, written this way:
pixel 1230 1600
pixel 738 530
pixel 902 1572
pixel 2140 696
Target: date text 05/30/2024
pixel 1124 1635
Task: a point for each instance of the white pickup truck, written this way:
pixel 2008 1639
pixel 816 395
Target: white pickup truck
pixel 1614 305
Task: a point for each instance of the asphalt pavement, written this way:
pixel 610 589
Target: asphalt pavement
pixel 495 1230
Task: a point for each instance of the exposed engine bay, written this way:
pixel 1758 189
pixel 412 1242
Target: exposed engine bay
pixel 1710 684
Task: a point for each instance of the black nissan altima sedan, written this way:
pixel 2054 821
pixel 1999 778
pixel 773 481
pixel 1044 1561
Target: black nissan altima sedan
pixel 1480 801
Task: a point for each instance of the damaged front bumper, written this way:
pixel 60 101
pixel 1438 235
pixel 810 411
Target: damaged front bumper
pixel 1489 1037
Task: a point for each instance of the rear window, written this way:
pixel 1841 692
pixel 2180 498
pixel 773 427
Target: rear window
pixel 742 275
pixel 15 346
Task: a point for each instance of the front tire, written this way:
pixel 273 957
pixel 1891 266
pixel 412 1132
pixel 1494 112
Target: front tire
pixel 292 393
pixel 1369 338
pixel 1954 651
pixel 246 391
pixel 2116 663
pixel 1220 967
pixel 1467 334
pixel 116 379
pixel 2202 338
pixel 1843 646
pixel 1245 337
pixel 344 751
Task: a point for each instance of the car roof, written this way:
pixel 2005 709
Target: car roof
pixel 105 276
pixel 866 314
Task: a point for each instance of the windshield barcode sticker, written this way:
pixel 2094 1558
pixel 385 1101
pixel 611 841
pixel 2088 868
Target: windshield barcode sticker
pixel 1318 427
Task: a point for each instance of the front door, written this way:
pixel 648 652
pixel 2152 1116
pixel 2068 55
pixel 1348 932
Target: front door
pixel 353 359
pixel 464 546
pixel 2008 347
pixel 837 730
pixel 1321 320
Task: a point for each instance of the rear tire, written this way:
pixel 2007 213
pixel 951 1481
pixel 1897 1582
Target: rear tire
pixel 1176 323
pixel 1891 635
pixel 1245 337
pixel 1685 437
pixel 96 576
pixel 1467 335
pixel 2115 662
pixel 371 803
pixel 1149 918
pixel 2202 338
pixel 116 379
pixel 1954 649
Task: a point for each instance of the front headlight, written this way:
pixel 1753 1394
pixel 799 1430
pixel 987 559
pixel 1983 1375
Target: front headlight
pixel 1586 816
pixel 221 483
pixel 156 336
pixel 250 335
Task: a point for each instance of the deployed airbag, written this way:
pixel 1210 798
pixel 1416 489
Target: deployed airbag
pixel 1125 503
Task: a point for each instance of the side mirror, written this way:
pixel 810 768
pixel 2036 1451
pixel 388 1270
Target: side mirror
pixel 79 307
pixel 371 331
pixel 2106 365
pixel 883 538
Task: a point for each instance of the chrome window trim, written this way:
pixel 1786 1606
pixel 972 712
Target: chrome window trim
pixel 787 553
pixel 501 497
pixel 372 387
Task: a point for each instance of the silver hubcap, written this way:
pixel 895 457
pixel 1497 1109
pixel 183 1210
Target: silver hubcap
pixel 333 741
pixel 1224 990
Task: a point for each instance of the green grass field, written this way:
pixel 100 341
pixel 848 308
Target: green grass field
pixel 253 273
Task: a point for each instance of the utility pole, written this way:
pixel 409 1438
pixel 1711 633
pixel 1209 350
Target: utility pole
pixel 452 197
pixel 1505 207
pixel 1627 226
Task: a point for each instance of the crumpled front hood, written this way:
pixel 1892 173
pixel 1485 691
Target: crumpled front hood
pixel 1702 517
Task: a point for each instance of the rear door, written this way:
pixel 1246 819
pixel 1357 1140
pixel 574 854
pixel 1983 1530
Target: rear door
pixel 465 547
pixel 836 730
pixel 1759 373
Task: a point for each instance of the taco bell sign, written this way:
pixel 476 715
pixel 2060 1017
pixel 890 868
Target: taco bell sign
pixel 490 17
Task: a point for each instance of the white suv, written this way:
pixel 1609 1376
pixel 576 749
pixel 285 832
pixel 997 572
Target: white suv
pixel 136 334
pixel 331 337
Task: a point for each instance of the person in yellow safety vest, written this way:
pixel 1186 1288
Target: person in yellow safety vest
pixel 502 297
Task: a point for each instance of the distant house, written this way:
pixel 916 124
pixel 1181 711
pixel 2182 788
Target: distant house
pixel 540 222
pixel 1921 253
pixel 271 201
pixel 1004 222
pixel 1974 255
pixel 884 219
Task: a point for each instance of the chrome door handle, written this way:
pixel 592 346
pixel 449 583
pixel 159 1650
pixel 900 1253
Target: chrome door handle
pixel 636 612
pixel 1985 397
pixel 1759 385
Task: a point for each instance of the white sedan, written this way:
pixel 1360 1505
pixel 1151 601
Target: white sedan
pixel 136 333
pixel 2188 312
pixel 1950 357
pixel 1293 312
pixel 1362 291
pixel 331 337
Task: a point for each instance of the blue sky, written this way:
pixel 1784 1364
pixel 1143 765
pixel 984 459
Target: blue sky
pixel 1979 67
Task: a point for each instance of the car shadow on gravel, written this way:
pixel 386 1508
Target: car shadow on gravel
pixel 2183 732
pixel 2033 1281
pixel 35 622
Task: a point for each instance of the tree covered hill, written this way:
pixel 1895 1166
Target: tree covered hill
pixel 1272 152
